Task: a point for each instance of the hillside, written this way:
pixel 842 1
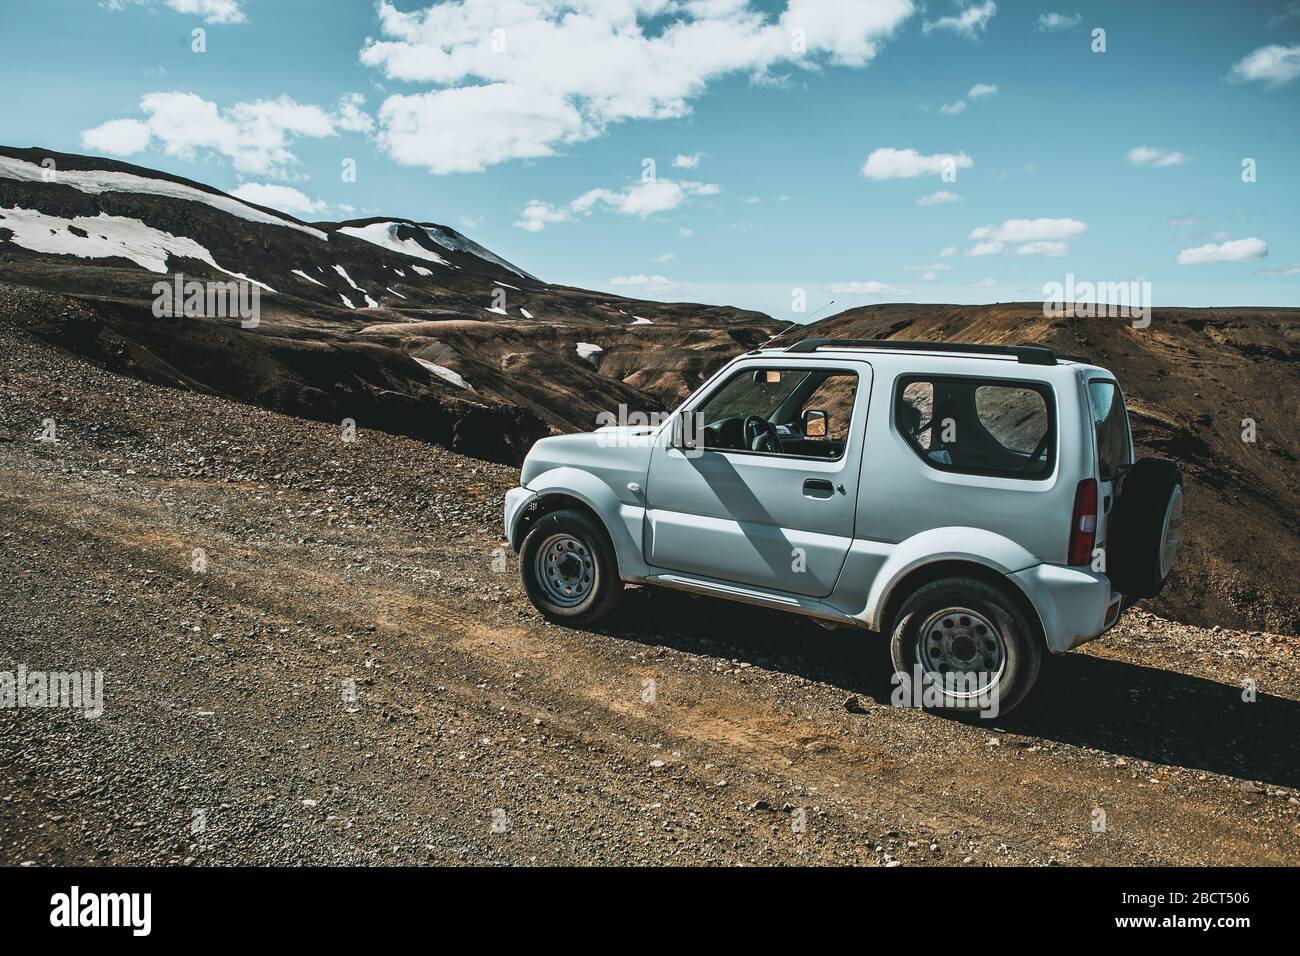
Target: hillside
pixel 406 326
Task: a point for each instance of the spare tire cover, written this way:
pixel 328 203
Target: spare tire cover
pixel 1145 528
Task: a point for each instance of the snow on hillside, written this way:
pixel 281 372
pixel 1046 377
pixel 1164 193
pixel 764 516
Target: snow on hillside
pixel 445 373
pixel 385 234
pixel 588 351
pixel 95 181
pixel 453 240
pixel 105 237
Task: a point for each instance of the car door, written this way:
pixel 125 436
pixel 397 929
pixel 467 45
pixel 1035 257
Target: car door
pixel 779 521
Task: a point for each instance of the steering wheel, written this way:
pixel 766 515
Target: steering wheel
pixel 761 435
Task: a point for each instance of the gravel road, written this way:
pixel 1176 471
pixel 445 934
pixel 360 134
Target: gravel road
pixel 346 672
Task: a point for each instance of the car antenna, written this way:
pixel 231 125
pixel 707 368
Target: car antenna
pixel 791 326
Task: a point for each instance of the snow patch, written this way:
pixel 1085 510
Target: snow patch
pixel 395 292
pixel 525 313
pixel 422 270
pixel 299 272
pixel 455 242
pixel 344 273
pixel 385 234
pixel 95 181
pixel 496 311
pixel 106 237
pixel 346 301
pixel 445 373
pixel 588 351
pixel 637 320
pixel 371 302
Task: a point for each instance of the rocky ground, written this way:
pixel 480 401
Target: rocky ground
pixel 685 731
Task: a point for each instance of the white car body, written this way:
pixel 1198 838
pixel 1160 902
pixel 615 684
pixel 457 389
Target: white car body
pixel 725 522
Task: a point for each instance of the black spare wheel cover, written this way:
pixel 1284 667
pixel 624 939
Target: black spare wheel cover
pixel 1145 528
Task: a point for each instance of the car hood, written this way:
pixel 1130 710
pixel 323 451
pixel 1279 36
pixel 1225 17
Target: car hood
pixel 617 453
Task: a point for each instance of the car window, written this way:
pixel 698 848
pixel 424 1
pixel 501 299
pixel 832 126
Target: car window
pixel 977 425
pixel 1111 420
pixel 834 396
pixel 778 398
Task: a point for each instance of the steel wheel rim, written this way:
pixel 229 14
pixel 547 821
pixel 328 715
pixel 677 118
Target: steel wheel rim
pixel 964 650
pixel 1171 532
pixel 565 570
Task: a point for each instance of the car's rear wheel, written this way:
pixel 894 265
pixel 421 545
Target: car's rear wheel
pixel 569 568
pixel 964 646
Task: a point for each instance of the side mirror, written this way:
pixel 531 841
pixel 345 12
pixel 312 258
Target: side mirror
pixel 684 435
pixel 767 376
pixel 816 423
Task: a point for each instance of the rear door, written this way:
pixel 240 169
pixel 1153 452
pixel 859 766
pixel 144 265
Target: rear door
pixel 1114 446
pixel 780 520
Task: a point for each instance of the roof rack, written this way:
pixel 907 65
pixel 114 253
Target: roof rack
pixel 1025 354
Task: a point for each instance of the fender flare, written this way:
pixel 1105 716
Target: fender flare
pixel 623 522
pixel 970 545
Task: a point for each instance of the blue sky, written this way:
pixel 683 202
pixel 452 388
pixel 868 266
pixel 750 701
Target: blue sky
pixel 814 128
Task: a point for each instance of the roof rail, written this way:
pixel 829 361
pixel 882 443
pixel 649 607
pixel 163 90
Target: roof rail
pixel 1025 354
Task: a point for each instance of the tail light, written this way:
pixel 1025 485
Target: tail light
pixel 1083 525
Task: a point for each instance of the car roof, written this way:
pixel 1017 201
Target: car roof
pixel 1022 357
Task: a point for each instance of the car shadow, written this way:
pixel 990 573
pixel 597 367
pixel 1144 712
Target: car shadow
pixel 1130 710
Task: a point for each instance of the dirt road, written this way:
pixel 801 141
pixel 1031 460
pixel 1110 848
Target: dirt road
pixel 351 674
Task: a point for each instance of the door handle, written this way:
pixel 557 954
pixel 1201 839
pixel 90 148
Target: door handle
pixel 818 488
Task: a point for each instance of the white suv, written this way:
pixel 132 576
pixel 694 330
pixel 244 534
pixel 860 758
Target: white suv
pixel 977 503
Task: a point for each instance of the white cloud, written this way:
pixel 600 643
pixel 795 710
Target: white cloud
pixel 1236 250
pixel 1154 156
pixel 948 251
pixel 937 198
pixel 465 130
pixel 985 249
pixel 1042 247
pixel 255 136
pixel 866 288
pixel 469 222
pixel 981 90
pixel 643 281
pixel 666 257
pixel 119 137
pixel 1056 22
pixel 645 198
pixel 889 163
pixel 1285 271
pixel 983 283
pixel 953 108
pixel 1031 230
pixel 685 231
pixel 212 11
pixel 1190 219
pixel 1272 65
pixel 969 23
pixel 930 272
pixel 521 78
pixel 687 160
pixel 285 198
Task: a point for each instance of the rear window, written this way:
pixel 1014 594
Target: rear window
pixel 1111 420
pixel 978 426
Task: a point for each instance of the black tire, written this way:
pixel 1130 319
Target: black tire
pixel 590 564
pixel 1014 668
pixel 1136 536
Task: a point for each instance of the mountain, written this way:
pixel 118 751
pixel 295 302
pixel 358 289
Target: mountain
pixel 409 327
pixel 1194 381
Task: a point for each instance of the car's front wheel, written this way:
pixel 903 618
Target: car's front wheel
pixel 569 568
pixel 961 645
